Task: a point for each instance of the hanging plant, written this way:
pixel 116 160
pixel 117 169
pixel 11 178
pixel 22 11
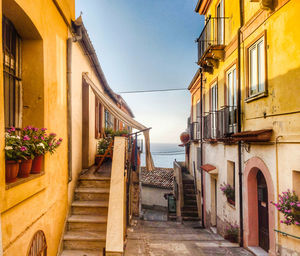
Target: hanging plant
pixel 229 192
pixel 289 205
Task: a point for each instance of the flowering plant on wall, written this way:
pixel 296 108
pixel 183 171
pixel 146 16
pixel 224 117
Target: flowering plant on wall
pixel 231 232
pixel 289 205
pixel 228 191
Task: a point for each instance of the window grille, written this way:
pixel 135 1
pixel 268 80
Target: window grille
pixel 11 74
pixel 38 245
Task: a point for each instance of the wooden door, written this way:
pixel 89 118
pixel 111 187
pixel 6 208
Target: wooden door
pixel 263 212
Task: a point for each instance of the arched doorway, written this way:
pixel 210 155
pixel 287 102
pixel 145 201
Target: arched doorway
pixel 263 212
pixel 259 215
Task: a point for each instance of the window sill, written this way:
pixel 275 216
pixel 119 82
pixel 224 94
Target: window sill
pixel 256 96
pixel 23 180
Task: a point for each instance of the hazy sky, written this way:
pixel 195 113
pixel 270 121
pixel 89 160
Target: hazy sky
pixel 145 45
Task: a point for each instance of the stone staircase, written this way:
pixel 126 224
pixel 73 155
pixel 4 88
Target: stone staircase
pixel 85 233
pixel 189 211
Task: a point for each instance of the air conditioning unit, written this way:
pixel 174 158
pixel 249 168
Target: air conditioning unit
pixel 265 4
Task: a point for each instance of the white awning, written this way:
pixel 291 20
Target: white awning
pixel 124 117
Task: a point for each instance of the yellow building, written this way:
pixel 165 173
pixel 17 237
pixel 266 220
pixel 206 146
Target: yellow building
pixel 34 92
pixel 245 119
pixel 50 76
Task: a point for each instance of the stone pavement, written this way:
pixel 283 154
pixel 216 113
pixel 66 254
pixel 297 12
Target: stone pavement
pixel 159 238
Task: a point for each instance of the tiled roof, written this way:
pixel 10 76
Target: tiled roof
pixel 160 177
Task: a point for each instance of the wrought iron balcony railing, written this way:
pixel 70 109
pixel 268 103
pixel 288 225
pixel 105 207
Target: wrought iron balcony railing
pixel 220 124
pixel 211 35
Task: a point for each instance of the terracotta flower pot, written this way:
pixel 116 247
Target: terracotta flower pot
pixel 231 201
pixel 11 171
pixel 25 168
pixel 37 164
pixel 231 237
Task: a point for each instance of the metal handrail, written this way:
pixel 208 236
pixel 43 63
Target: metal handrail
pixel 286 234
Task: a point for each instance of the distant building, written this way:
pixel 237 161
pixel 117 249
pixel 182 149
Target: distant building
pixel 245 119
pixel 154 185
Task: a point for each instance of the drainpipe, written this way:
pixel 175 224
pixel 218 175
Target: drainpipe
pixel 69 107
pixel 78 36
pixel 201 146
pixel 240 126
pixel 1 248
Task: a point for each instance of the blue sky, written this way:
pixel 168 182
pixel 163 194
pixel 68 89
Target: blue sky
pixel 145 45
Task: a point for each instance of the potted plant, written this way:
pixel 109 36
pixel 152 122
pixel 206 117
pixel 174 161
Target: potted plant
pixel 289 205
pixel 38 136
pixel 102 147
pixel 229 192
pixel 27 155
pixel 231 233
pixel 12 155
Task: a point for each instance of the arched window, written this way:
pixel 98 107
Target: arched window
pixel 38 245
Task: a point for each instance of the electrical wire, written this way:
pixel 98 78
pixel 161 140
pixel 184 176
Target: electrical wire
pixel 158 90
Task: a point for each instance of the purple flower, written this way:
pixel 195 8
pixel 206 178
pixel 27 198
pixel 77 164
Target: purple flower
pixel 12 129
pixel 58 143
pixel 35 137
pixel 50 144
pixel 26 137
pixel 292 203
pixel 297 223
pixel 43 129
pixel 42 138
pixel 53 134
pixel 29 127
pixel 35 129
pixel 23 148
pixel 60 139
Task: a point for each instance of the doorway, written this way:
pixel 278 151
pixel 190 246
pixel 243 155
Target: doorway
pixel 85 125
pixel 213 202
pixel 263 212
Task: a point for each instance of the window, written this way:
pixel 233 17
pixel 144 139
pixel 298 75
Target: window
pixel 220 22
pixel 296 182
pixel 38 245
pixel 12 74
pixel 213 109
pixel 232 99
pixel 98 119
pixel 257 69
pixel 109 119
pixel 231 174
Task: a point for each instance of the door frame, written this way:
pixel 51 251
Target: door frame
pixel 85 123
pixel 251 237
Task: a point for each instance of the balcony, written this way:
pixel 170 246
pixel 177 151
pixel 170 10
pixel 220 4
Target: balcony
pixel 211 43
pixel 220 125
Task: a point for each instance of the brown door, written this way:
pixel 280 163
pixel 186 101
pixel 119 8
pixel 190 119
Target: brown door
pixel 263 211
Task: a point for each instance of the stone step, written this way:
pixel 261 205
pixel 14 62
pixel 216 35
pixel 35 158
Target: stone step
pixel 87 194
pixel 94 183
pixel 185 218
pixel 189 214
pixel 90 208
pixel 189 197
pixel 187 181
pixel 188 191
pixel 84 240
pixel 82 253
pixel 87 223
pixel 188 186
pixel 189 208
pixel 190 202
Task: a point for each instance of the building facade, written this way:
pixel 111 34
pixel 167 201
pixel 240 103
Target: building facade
pixel 48 72
pixel 245 119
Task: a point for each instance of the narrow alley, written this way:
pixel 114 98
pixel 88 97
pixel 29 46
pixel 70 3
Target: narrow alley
pixel 158 238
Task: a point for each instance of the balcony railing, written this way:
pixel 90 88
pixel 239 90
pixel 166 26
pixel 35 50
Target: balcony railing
pixel 220 124
pixel 211 35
